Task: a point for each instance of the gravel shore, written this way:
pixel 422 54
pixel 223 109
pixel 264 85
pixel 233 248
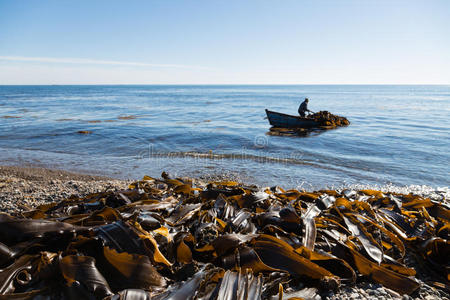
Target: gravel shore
pixel 22 188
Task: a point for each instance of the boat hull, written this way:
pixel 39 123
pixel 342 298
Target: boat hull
pixel 287 121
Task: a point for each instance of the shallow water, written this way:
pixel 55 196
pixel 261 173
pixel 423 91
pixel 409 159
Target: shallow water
pixel 399 135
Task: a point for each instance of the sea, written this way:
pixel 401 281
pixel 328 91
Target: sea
pixel 399 136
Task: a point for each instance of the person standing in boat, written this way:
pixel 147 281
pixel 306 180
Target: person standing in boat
pixel 303 108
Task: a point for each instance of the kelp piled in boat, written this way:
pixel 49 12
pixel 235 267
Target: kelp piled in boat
pixel 325 118
pixel 183 239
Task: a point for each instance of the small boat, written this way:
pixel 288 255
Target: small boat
pixel 277 119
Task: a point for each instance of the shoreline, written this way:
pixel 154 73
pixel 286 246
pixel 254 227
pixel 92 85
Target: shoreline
pixel 32 185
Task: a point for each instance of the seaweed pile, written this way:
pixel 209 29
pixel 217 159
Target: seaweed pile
pixel 184 239
pixel 325 118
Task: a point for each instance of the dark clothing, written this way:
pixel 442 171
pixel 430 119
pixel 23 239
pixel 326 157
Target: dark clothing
pixel 303 108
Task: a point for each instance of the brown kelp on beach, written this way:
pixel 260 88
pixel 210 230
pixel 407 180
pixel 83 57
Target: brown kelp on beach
pixel 180 238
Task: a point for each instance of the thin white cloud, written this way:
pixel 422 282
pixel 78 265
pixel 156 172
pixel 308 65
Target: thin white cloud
pixel 97 62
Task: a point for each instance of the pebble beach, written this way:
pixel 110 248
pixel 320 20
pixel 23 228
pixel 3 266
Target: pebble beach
pixel 24 188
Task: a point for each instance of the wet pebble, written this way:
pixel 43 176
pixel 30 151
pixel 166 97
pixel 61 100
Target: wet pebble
pixel 19 194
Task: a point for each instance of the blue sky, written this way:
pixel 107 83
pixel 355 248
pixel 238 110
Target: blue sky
pixel 225 42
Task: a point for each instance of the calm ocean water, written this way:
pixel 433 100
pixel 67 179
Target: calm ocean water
pixel 399 135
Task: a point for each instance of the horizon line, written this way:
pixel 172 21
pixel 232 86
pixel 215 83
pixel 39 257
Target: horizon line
pixel 203 84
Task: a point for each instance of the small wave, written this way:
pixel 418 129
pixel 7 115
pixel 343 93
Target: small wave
pixel 291 159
